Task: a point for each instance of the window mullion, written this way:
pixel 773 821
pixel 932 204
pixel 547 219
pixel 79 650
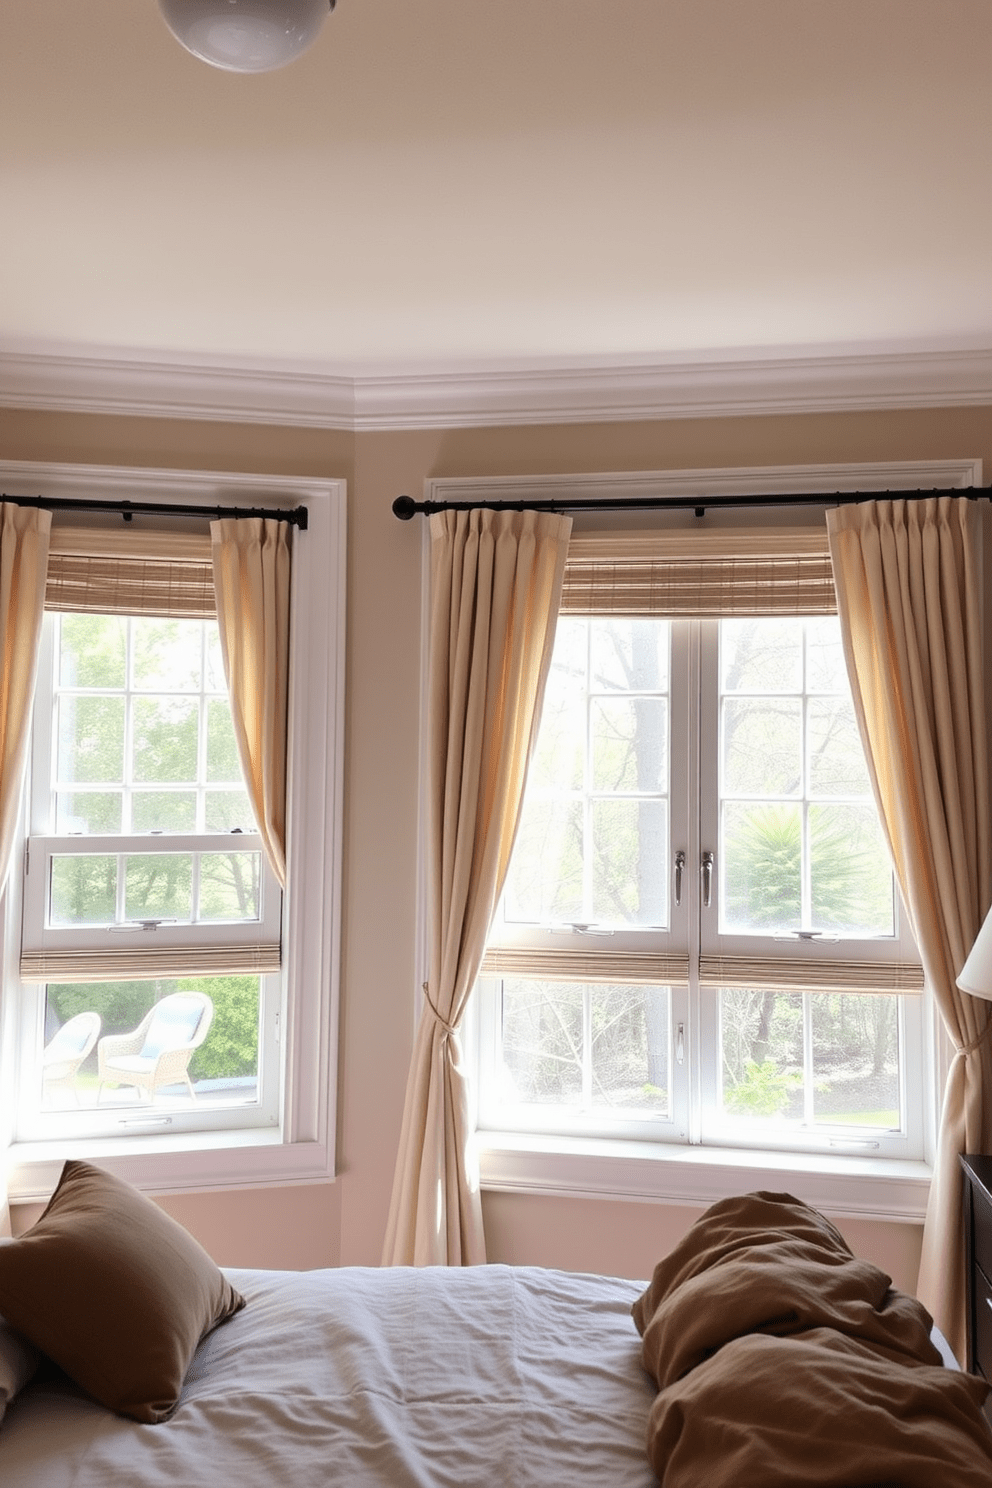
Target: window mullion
pixel 806 861
pixel 809 1109
pixel 127 782
pixel 587 1047
pixel 703 735
pixel 201 745
pixel 588 855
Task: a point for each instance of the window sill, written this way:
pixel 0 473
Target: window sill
pixel 179 1163
pixel 851 1188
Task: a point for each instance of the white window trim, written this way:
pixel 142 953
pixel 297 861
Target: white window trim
pixel 302 1148
pixel 884 1189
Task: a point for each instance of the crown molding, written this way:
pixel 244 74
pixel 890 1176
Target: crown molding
pixel 595 390
pixel 146 387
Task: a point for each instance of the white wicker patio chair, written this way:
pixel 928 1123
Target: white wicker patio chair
pixel 159 1050
pixel 65 1052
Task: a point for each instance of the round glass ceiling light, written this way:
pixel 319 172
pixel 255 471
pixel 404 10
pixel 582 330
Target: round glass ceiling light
pixel 245 35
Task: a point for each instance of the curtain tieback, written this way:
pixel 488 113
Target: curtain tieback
pixel 450 1028
pixel 977 1042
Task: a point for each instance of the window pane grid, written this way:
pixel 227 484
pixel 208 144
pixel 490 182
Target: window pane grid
pixel 799 931
pixel 800 847
pixel 572 1046
pixel 139 757
pixel 594 828
pixel 812 1061
pixel 117 889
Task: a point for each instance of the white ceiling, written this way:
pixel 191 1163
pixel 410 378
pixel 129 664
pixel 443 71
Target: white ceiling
pixel 445 184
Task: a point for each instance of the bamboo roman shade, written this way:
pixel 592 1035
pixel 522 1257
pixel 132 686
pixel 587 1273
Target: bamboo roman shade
pixel 144 964
pixel 774 974
pixel 796 974
pixel 646 968
pixel 110 571
pixel 704 574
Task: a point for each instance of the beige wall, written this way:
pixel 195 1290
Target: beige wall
pixel 344 1222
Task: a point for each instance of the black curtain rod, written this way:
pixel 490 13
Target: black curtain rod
pixel 405 507
pixel 296 515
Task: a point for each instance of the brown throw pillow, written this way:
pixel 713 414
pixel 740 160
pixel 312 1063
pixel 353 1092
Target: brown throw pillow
pixel 113 1290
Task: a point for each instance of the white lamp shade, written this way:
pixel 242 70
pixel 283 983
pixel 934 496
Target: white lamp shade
pixel 976 973
pixel 245 35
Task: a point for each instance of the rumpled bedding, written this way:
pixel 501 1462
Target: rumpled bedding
pixel 399 1377
pixel 781 1359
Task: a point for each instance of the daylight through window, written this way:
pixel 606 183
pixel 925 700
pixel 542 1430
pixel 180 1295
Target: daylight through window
pixel 700 938
pixel 150 956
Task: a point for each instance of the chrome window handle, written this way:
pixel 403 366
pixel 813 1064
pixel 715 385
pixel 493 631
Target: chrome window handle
pixel 679 868
pixel 706 873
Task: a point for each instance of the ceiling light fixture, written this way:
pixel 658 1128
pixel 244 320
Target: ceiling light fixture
pixel 246 35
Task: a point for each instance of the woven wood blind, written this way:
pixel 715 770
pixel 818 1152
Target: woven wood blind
pixel 787 974
pixel 106 571
pixel 708 574
pixel 148 964
pixel 642 967
pixel 801 975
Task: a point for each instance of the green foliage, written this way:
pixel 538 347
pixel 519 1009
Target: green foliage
pixel 165 739
pixel 222 749
pixel 93 650
pixel 764 867
pixel 764 1091
pixel 231 1046
pixel 91 739
pixel 764 870
pixel 121 1005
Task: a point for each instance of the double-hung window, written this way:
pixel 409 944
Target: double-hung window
pixel 700 940
pixel 151 921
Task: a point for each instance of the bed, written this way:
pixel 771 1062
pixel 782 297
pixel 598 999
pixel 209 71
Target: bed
pixel 495 1375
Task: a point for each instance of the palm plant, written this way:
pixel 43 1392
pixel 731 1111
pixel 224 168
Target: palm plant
pixel 764 863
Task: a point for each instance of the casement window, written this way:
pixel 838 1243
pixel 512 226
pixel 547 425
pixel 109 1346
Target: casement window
pixel 700 940
pixel 149 912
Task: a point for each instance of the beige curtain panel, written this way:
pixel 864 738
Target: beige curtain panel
pixel 495 586
pixel 251 564
pixel 908 578
pixel 24 538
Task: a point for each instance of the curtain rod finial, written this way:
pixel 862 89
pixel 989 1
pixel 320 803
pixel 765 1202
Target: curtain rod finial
pixel 404 507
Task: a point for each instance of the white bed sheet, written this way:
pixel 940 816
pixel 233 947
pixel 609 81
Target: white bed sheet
pixel 507 1377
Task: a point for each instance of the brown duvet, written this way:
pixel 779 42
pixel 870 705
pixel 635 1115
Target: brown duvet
pixel 781 1359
